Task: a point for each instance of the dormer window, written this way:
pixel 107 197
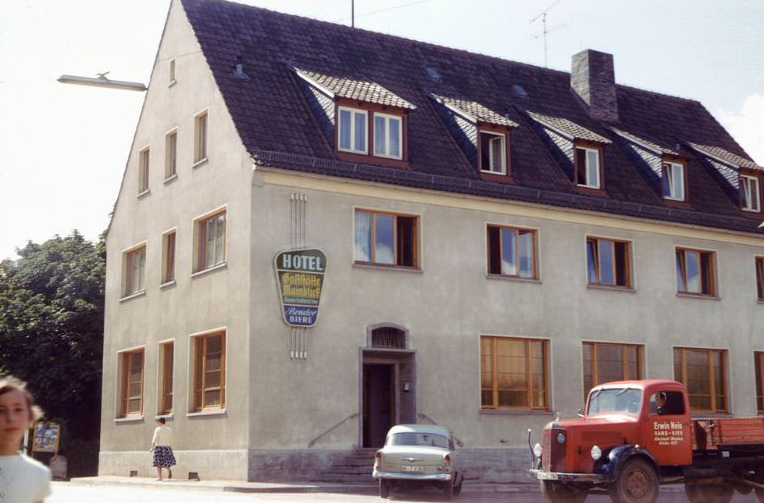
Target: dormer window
pixel 588 167
pixel 493 153
pixel 352 130
pixel 750 193
pixel 672 176
pixel 387 136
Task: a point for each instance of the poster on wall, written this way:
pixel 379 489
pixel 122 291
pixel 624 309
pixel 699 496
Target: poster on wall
pixel 46 437
pixel 300 276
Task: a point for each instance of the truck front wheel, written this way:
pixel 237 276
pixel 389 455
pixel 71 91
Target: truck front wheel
pixel 557 492
pixel 637 482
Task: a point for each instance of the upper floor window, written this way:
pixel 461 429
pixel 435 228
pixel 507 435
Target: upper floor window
pixel 606 362
pixel 388 135
pixel 168 257
pixel 704 373
pixel 759 369
pixel 760 278
pixel 512 252
pixel 166 366
pixel 352 130
pixel 493 152
pixel 200 137
pixel 134 271
pixel 170 154
pixel 750 193
pixel 696 272
pixel 143 171
pixel 172 74
pixel 608 262
pixel 513 373
pixel 588 167
pixel 131 383
pixel 673 179
pixel 210 241
pixel 208 379
pixel 385 239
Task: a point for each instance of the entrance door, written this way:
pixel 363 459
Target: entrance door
pixel 378 402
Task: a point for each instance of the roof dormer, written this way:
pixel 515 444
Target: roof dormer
pixel 580 149
pixel 741 177
pixel 482 134
pixel 362 120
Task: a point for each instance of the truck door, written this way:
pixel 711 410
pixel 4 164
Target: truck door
pixel 668 431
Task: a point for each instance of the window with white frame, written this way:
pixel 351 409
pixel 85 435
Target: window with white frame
pixel 673 181
pixel 143 171
pixel 170 154
pixel 210 241
pixel 200 137
pixel 512 252
pixel 588 169
pixel 134 271
pixel 696 272
pixel 352 130
pixel 608 262
pixel 750 193
pixel 493 153
pixel 388 136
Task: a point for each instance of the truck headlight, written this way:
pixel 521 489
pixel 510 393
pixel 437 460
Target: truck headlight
pixel 596 453
pixel 561 438
pixel 537 450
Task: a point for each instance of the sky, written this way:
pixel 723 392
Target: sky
pixel 65 147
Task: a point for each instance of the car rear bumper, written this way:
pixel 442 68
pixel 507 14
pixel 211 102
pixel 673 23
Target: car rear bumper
pixel 424 477
pixel 567 477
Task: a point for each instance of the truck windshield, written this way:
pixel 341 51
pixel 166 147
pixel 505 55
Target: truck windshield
pixel 607 401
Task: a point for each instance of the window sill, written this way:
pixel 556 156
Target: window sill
pixel 494 412
pixel 503 277
pixel 686 295
pixel 143 194
pixel 382 267
pixel 132 296
pixel 214 268
pixel 129 419
pixel 200 162
pixel 169 284
pixel 207 413
pixel 170 179
pixel 624 289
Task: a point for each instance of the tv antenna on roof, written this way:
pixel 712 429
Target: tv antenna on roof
pixel 545 31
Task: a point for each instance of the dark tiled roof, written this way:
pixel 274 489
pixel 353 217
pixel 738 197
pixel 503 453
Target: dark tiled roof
pixel 718 153
pixel 360 90
pixel 474 111
pixel 567 128
pixel 645 143
pixel 271 114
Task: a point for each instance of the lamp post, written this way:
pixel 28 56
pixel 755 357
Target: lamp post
pixel 102 81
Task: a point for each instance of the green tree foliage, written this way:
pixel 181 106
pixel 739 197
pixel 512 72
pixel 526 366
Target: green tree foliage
pixel 51 335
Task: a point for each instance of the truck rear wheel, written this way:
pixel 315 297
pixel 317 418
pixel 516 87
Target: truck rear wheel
pixel 558 492
pixel 709 493
pixel 637 482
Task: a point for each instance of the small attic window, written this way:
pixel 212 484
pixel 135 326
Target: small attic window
pixel 493 152
pixel 750 193
pixel 673 180
pixel 172 74
pixel 588 166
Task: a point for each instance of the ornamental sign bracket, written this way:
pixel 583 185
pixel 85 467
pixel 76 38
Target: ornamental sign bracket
pixel 300 276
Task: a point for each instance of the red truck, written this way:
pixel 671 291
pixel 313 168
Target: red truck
pixel 635 436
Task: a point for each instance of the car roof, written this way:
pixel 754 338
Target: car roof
pixel 420 428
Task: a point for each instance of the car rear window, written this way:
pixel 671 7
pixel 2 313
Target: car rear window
pixel 411 438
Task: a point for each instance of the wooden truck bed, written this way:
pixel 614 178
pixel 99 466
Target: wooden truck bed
pixel 727 432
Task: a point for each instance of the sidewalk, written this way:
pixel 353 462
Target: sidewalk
pixel 272 487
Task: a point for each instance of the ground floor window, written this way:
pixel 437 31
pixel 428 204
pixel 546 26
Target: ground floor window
pixel 759 364
pixel 514 373
pixel 209 372
pixel 704 373
pixel 131 383
pixel 605 362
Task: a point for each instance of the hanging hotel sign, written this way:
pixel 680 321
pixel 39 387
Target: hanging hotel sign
pixel 300 274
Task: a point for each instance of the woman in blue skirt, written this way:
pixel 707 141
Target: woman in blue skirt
pixel 161 447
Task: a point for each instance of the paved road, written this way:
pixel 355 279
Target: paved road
pixel 66 493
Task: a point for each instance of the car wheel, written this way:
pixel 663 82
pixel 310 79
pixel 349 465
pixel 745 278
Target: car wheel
pixel 636 483
pixel 458 489
pixel 384 488
pixel 448 490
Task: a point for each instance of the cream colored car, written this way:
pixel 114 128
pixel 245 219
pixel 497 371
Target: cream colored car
pixel 418 454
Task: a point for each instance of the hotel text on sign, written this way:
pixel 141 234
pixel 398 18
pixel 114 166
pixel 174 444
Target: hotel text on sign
pixel 300 275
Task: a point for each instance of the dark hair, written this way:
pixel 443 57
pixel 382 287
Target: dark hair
pixel 161 420
pixel 9 384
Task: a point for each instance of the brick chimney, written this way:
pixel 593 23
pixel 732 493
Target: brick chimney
pixel 593 79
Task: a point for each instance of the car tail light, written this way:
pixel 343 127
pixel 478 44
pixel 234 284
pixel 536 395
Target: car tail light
pixel 445 466
pixel 377 460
